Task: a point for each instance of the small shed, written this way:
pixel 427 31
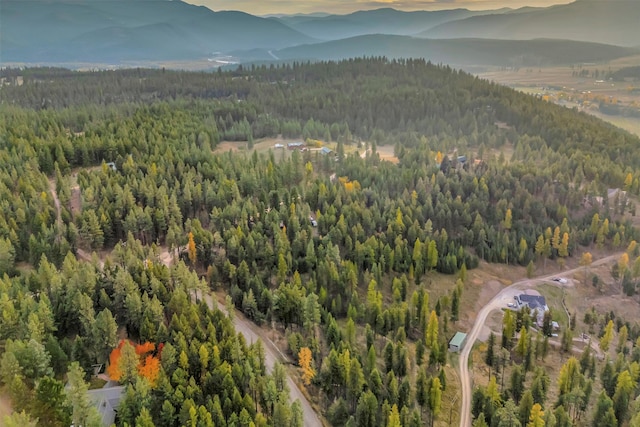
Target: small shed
pixel 457 342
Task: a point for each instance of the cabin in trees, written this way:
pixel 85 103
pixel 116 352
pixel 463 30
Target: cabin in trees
pixel 457 342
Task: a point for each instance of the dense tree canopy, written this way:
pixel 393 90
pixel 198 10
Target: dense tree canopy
pixel 342 253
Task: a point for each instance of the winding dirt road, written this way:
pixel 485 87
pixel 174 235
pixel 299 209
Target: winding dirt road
pixel 250 332
pixel 499 301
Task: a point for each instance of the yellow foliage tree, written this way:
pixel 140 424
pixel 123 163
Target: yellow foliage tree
pixel 536 418
pixel 304 360
pixel 623 263
pixel 191 249
pixel 607 337
pixel 586 261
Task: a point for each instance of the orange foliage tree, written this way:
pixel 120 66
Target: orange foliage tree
pixel 150 369
pixel 113 370
pixel 148 365
pixel 142 349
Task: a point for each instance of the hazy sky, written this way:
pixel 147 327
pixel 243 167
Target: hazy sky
pixel 262 7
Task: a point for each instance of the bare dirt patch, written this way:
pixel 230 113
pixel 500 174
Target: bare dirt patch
pixel 233 146
pixel 5 405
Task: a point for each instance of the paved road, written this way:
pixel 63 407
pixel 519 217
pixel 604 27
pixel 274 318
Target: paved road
pixel 499 301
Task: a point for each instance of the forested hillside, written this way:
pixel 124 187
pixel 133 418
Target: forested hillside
pixel 358 291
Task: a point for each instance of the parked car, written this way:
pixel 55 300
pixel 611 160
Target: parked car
pixel 560 280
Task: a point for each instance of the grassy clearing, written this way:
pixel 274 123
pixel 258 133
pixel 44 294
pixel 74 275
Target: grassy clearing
pixel 96 383
pixel 553 81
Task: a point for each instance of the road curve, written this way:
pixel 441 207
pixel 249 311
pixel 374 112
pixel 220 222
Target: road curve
pixel 250 332
pixel 500 300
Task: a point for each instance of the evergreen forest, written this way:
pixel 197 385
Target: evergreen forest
pixel 122 223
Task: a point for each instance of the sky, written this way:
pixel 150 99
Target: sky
pixel 264 7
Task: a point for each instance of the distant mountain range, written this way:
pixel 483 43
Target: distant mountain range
pixel 108 31
pixel 56 31
pixel 601 21
pixel 379 21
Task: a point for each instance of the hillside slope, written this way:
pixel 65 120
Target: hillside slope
pixel 462 52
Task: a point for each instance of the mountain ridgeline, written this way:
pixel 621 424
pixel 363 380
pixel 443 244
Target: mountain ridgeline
pixel 612 22
pixel 126 32
pixel 101 31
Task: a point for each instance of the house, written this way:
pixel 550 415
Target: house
pixel 326 151
pixel 457 342
pixel 106 400
pixel 536 303
pixel 295 146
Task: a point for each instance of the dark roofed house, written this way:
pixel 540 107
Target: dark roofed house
pixel 295 145
pixel 534 302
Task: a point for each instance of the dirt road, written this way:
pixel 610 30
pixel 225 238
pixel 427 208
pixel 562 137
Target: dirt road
pixel 252 334
pixel 499 301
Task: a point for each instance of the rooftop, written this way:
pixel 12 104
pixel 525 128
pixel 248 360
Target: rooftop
pixel 107 400
pixel 458 339
pixel 535 302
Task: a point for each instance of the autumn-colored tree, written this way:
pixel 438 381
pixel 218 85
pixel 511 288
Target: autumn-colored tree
pixel 191 249
pixel 142 349
pixel 113 370
pixel 605 341
pixel 304 360
pixel 623 263
pixel 507 220
pixel 536 417
pixel 586 261
pixel 150 369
